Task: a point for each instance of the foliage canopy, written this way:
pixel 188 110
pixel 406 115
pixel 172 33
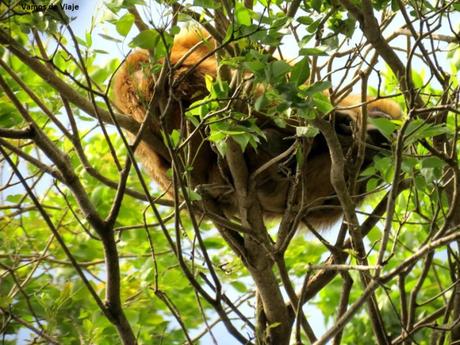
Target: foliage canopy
pixel 91 252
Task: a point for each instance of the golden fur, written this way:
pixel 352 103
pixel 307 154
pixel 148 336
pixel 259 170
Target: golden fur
pixel 133 85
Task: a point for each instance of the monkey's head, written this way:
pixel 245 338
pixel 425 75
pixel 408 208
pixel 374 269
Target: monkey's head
pixel 349 111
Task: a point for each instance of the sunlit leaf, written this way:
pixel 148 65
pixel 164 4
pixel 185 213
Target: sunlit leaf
pixel 124 24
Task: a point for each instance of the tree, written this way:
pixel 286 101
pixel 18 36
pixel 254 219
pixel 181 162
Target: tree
pixel 90 246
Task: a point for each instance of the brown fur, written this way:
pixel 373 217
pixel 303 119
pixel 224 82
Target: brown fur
pixel 133 85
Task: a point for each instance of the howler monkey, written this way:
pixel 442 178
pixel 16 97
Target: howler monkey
pixel 191 59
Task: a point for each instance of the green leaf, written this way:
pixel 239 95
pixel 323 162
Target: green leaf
pixel 316 5
pixel 174 30
pixel 384 126
pixel 300 72
pixel 242 140
pixel 124 24
pixel 417 78
pixel 455 59
pixel 369 171
pixel 317 87
pixel 222 147
pixel 274 325
pixel 432 162
pixel 208 4
pixel 419 129
pixel 372 184
pixel 305 20
pixel 9 116
pixel 239 286
pixel 98 195
pixel 243 15
pixel 14 198
pixel 384 165
pixel 254 66
pixel 322 103
pixel 430 174
pixel 217 135
pixel 279 69
pixel 148 39
pixel 89 39
pixel 213 243
pixel 175 138
pixel 306 131
pixel 261 102
pixel 420 183
pixel 100 51
pixel 110 38
pixel 408 164
pixel 193 195
pixel 312 51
